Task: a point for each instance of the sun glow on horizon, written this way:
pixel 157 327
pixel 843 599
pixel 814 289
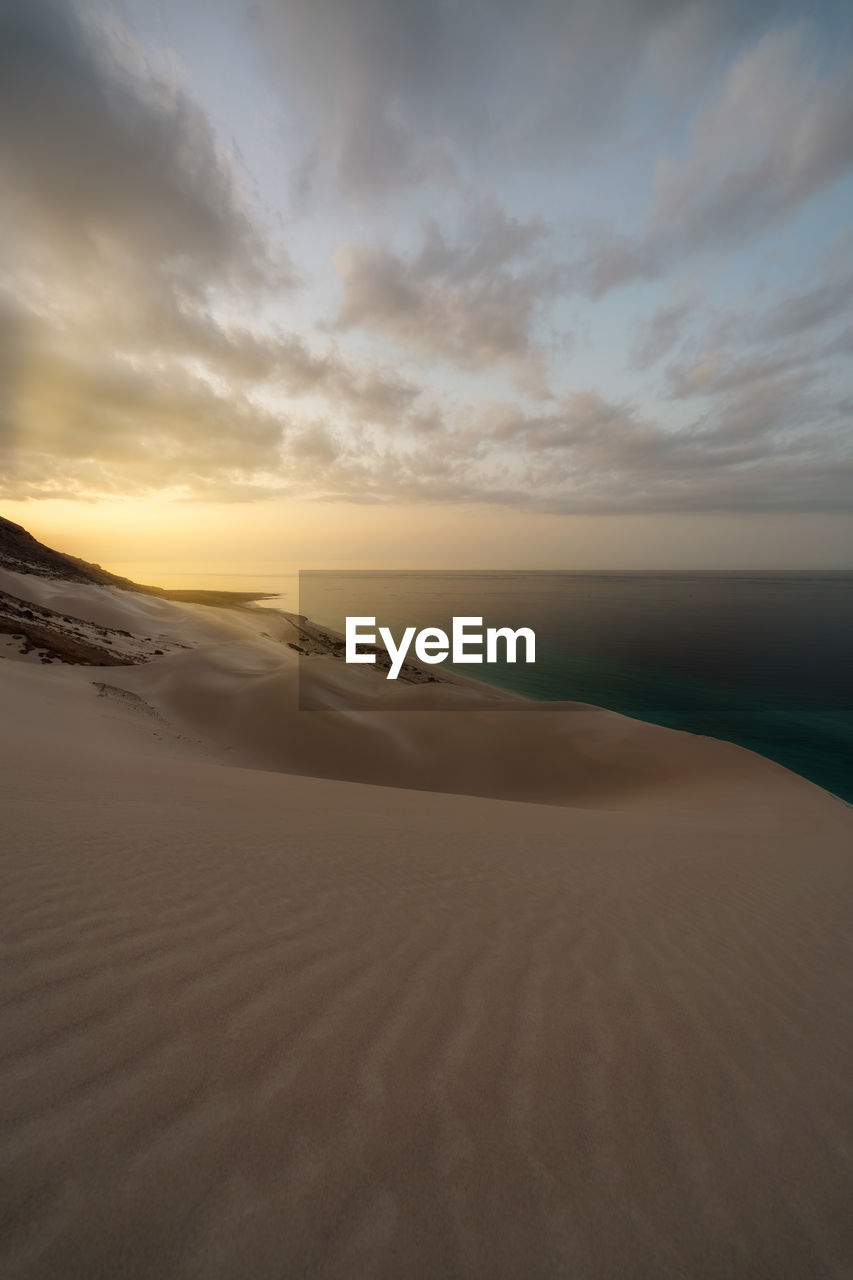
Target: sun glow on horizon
pixel 248 322
pixel 235 546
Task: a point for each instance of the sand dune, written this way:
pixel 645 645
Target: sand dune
pixel 230 680
pixel 255 1024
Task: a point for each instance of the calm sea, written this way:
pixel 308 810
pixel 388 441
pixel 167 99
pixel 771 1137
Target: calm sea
pixel 763 659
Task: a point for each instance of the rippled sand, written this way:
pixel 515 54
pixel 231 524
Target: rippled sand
pixel 256 1025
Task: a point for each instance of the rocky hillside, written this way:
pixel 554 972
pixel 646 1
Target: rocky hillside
pixel 22 553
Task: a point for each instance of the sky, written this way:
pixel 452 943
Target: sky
pixel 409 284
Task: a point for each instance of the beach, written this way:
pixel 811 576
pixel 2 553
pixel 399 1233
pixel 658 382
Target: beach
pixel 403 993
pixel 426 679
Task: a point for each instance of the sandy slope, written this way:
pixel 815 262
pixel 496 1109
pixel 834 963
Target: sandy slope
pixel 230 679
pixel 261 1025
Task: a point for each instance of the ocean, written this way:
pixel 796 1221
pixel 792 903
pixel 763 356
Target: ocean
pixel 762 659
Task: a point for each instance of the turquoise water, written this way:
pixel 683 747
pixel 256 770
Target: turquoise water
pixel 760 659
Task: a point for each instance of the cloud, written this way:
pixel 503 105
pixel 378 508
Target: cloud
pixel 103 155
pixel 95 419
pixel 315 443
pixel 772 445
pixel 822 304
pixel 584 421
pixel 172 397
pixel 663 330
pixel 716 371
pixel 779 131
pixel 121 217
pixel 395 92
pixel 472 300
pixel 775 445
pixel 125 239
pixel 137 279
pixel 797 334
pixel 171 329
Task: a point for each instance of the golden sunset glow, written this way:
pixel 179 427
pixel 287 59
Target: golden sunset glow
pixel 250 322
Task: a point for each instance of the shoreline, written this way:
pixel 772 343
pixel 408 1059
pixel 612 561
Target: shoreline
pixel 420 687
